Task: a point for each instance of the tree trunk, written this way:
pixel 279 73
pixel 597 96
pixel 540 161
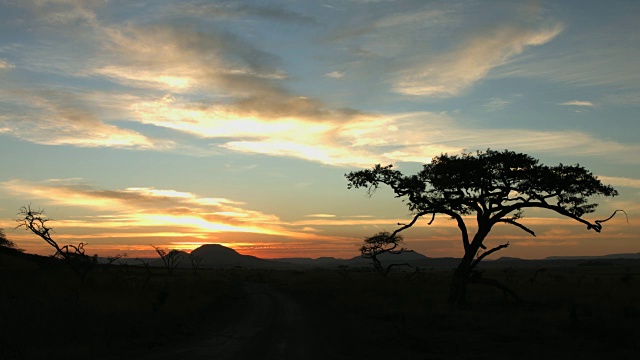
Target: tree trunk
pixel 461 277
pixel 458 288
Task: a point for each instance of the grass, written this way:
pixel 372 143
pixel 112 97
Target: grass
pixel 48 313
pixel 568 312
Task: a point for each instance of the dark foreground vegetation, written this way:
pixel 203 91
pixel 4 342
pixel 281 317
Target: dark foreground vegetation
pixel 590 310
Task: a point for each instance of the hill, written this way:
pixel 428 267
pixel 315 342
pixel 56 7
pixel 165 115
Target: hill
pixel 601 257
pixel 215 256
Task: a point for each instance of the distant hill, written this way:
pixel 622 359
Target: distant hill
pixel 218 256
pixel 356 261
pixel 215 256
pixel 507 258
pixel 602 257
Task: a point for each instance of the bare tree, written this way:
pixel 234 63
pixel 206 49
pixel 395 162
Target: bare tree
pixel 196 262
pixel 170 259
pixel 495 186
pixel 112 259
pixel 380 243
pixel 73 255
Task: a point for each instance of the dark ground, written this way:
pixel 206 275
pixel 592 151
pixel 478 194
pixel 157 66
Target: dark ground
pixel 124 312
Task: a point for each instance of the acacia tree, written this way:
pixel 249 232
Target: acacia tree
pixel 380 243
pixel 497 187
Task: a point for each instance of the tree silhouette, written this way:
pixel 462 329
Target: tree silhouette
pixel 36 221
pixel 170 259
pixel 497 187
pixel 5 243
pixel 380 243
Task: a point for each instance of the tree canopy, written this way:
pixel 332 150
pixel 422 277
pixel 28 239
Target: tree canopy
pixel 496 186
pixel 380 243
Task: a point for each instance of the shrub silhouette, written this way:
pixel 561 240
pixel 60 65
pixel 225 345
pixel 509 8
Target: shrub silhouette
pixel 380 243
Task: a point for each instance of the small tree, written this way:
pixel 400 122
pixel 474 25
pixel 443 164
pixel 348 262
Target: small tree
pixel 496 187
pixel 196 262
pixel 73 255
pixel 380 243
pixel 170 259
pixel 5 243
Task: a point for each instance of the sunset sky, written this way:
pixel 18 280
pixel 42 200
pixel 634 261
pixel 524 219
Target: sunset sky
pixel 180 123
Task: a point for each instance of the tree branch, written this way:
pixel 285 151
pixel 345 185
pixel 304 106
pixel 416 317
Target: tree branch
pixel 598 222
pixel 597 227
pixel 513 222
pixel 415 218
pixel 462 226
pixel 487 253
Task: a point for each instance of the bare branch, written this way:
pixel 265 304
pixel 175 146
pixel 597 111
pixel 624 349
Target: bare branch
pixel 513 222
pixel 487 253
pixel 597 227
pixel 415 218
pixel 598 222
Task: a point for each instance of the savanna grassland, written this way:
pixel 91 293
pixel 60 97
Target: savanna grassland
pixel 566 312
pixel 123 311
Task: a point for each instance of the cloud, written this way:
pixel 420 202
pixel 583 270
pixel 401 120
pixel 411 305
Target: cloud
pixel 321 215
pixel 364 139
pixel 166 55
pixel 139 209
pixel 4 65
pixel 595 63
pixel 64 13
pixel 577 103
pixel 216 85
pixel 63 118
pixel 237 76
pixel 496 104
pixel 335 74
pixel 234 10
pixel 451 73
pixel 620 181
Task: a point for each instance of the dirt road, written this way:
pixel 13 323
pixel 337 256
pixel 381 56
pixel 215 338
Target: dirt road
pixel 271 326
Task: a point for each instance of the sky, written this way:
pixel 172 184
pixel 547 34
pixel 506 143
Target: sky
pixel 182 123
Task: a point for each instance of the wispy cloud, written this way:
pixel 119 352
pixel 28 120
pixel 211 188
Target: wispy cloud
pixel 227 10
pixel 335 74
pixel 577 103
pixel 620 181
pixel 417 137
pixel 603 64
pixel 496 104
pixel 5 65
pixel 65 12
pixel 140 209
pixel 63 118
pixel 321 215
pixel 452 73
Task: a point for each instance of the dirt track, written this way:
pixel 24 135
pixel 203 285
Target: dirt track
pixel 271 326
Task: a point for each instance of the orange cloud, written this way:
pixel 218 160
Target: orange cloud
pixel 148 213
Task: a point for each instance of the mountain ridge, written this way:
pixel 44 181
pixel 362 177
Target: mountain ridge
pixel 219 256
